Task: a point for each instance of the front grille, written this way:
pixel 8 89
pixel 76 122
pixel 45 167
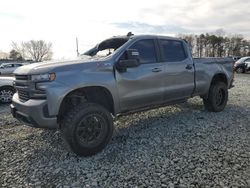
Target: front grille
pixel 23 95
pixel 26 89
pixel 22 85
pixel 22 77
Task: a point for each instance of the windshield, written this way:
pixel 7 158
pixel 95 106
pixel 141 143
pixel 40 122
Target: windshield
pixel 106 47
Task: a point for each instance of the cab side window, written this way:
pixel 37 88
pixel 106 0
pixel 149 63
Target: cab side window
pixel 8 66
pixel 146 49
pixel 172 50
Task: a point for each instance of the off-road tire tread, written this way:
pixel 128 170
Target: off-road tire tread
pixel 67 128
pixel 209 103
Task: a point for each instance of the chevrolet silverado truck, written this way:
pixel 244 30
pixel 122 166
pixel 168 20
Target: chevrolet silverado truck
pixel 120 75
pixel 6 89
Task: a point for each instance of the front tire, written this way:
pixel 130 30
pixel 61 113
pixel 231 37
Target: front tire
pixel 87 128
pixel 6 94
pixel 217 97
pixel 240 70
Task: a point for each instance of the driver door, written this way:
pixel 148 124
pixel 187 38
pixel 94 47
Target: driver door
pixel 141 86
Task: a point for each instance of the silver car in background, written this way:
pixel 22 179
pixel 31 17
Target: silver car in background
pixel 9 68
pixel 6 89
pixel 242 65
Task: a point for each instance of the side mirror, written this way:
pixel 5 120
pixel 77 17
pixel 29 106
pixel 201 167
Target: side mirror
pixel 131 60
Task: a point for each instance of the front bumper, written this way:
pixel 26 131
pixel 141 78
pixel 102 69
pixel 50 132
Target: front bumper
pixel 244 66
pixel 33 113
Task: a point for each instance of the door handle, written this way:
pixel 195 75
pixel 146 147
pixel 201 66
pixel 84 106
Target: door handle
pixel 188 67
pixel 156 70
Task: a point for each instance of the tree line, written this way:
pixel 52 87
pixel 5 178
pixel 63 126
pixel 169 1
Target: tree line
pixel 35 50
pixel 217 44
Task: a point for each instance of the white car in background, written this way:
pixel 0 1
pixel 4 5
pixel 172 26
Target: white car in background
pixel 9 68
pixel 242 65
pixel 6 89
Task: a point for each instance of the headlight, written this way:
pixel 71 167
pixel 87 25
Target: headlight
pixel 43 77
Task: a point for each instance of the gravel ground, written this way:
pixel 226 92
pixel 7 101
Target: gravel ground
pixel 175 146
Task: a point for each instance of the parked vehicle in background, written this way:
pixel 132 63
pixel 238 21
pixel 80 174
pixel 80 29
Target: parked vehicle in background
pixel 120 75
pixel 236 58
pixel 242 65
pixel 6 89
pixel 9 68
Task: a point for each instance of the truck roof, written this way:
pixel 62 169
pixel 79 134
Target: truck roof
pixel 117 41
pixel 144 36
pixel 155 36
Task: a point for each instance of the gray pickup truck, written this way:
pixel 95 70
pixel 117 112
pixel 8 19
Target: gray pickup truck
pixel 120 75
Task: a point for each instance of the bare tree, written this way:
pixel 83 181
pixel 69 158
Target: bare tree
pixel 37 50
pixel 217 44
pixel 190 39
pixel 15 55
pixel 19 48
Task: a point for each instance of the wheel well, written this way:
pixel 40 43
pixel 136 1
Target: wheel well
pixel 7 86
pixel 220 77
pixel 95 94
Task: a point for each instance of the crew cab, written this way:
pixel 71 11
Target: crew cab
pixel 120 75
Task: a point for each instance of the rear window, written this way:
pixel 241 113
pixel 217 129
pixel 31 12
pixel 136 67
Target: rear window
pixel 172 50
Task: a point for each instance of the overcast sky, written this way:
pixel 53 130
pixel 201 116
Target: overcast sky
pixel 60 22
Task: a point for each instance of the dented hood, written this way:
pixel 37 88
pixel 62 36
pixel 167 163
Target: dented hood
pixel 54 66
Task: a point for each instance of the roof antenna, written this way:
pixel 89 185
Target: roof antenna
pixel 77 52
pixel 130 34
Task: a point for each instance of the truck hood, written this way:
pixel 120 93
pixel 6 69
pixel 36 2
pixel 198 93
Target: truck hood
pixel 54 66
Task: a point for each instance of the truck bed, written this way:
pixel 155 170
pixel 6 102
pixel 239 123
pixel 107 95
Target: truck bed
pixel 213 60
pixel 205 68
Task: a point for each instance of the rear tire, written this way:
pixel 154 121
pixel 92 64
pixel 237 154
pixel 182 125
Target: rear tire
pixel 217 97
pixel 87 128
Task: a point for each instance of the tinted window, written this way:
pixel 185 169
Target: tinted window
pixel 172 50
pixel 146 49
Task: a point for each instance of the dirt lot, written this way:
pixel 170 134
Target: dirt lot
pixel 176 146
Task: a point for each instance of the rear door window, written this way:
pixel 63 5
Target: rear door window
pixel 172 50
